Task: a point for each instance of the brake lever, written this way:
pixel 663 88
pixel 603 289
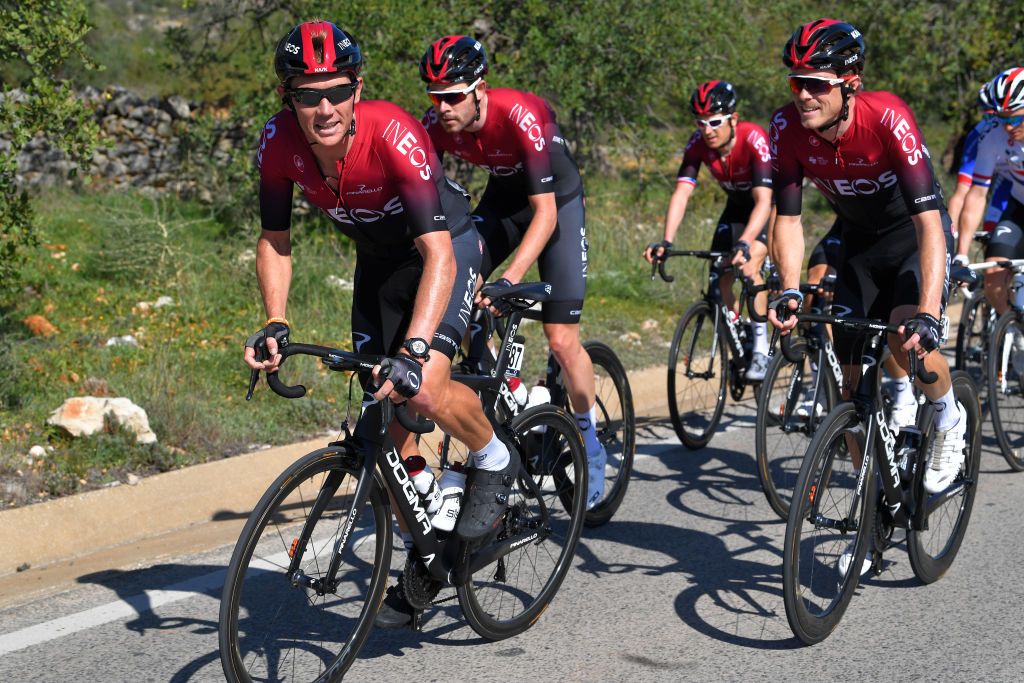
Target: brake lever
pixel 254 377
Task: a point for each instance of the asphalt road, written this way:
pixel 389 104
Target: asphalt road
pixel 684 584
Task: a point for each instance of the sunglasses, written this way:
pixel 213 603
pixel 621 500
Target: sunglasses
pixel 452 97
pixel 311 97
pixel 814 85
pixel 1011 121
pixel 711 123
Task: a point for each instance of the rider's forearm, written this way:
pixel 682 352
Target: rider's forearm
pixel 788 250
pixel 955 204
pixel 274 271
pixel 677 210
pixel 538 232
pixel 436 285
pixel 970 217
pixel 931 245
pixel 759 216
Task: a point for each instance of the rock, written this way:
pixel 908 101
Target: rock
pixel 124 340
pixel 37 452
pixel 649 324
pixel 39 326
pixel 630 338
pixel 133 479
pixel 163 301
pixel 84 415
pixel 340 283
pixel 177 106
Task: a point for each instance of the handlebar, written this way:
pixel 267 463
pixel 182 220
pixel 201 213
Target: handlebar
pixel 343 361
pixel 861 325
pixel 658 264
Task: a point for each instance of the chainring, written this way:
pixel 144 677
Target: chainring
pixel 418 586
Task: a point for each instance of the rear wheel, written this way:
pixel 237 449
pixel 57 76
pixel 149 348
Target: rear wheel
pixel 932 551
pixel 545 510
pixel 696 376
pixel 282 616
pixel 1006 387
pixel 616 429
pixel 972 338
pixel 833 518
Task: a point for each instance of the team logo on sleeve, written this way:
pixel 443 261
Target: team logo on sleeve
pixel 527 123
pixel 900 128
pixel 408 146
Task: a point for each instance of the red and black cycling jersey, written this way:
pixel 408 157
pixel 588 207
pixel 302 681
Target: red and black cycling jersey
pixel 520 145
pixel 391 186
pixel 876 175
pixel 748 164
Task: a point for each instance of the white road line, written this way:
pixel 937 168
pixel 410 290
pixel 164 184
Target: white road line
pixel 132 606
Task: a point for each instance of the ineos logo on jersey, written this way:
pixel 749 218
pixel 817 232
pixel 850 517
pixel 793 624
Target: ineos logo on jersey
pixel 407 145
pixel 363 215
pixel 527 123
pixel 760 146
pixel 779 124
pixel 900 128
pixel 857 186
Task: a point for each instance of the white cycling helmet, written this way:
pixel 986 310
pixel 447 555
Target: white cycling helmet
pixel 1005 92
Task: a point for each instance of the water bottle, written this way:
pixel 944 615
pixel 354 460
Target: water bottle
pixel 538 395
pixel 519 391
pixel 453 484
pixel 423 480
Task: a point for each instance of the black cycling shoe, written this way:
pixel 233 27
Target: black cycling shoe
pixel 486 498
pixel 395 611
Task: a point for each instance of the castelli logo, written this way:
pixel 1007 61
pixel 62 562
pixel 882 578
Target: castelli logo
pixel 299 164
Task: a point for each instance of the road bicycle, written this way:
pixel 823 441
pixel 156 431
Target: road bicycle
pixel 1005 370
pixel 977 319
pixel 842 515
pixel 708 348
pixel 308 573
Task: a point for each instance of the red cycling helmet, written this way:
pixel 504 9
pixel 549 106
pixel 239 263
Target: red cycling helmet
pixel 713 97
pixel 317 47
pixel 825 44
pixel 453 59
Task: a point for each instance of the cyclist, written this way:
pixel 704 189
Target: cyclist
pixel 370 167
pixel 1000 184
pixel 1002 147
pixel 533 205
pixel 736 153
pixel 865 152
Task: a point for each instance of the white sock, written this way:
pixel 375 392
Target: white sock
pixel 761 338
pixel 494 456
pixel 946 413
pixel 903 391
pixel 585 421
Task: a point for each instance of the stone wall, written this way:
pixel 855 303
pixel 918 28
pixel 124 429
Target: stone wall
pixel 142 144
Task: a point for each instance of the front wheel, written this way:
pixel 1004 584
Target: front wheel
pixel 283 616
pixel 829 528
pixel 546 509
pixel 696 376
pixel 972 337
pixel 1006 387
pixel 932 551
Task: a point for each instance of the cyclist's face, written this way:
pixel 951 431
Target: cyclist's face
pixel 1013 124
pixel 456 110
pixel 716 136
pixel 823 107
pixel 324 123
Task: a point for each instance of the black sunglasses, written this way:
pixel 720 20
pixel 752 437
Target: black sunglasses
pixel 311 96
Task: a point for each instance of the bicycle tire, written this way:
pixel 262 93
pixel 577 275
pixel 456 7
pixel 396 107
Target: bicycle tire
pixel 781 439
pixel 812 551
pixel 508 596
pixel 1006 389
pixel 689 397
pixel 932 551
pixel 615 426
pixel 273 628
pixel 972 338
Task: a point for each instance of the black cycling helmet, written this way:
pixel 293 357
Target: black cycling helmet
pixel 317 47
pixel 713 97
pixel 825 44
pixel 453 59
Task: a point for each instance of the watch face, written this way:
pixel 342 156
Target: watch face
pixel 418 347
